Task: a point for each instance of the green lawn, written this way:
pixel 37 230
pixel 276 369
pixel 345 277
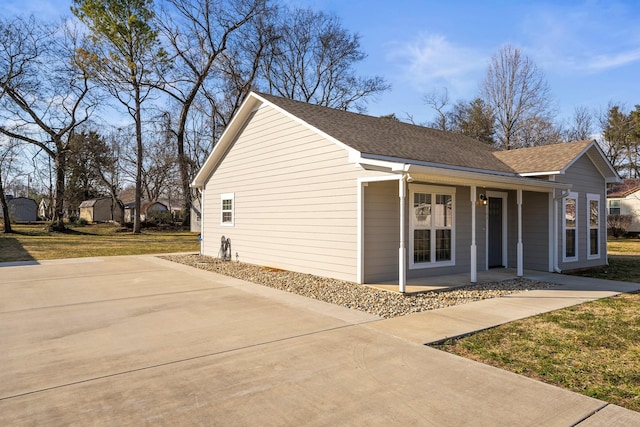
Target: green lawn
pixel 592 348
pixel 34 242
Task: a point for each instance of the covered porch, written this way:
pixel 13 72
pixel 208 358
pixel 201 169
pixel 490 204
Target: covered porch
pixel 473 213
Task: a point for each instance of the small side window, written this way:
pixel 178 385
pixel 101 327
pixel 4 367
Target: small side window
pixel 614 207
pixel 227 205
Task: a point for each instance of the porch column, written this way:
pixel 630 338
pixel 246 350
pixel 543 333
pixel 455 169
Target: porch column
pixel 520 272
pixel 402 252
pixel 474 264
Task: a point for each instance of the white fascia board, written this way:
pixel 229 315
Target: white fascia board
pixel 487 179
pixel 527 174
pixel 484 177
pixel 249 105
pixel 370 158
pixel 594 144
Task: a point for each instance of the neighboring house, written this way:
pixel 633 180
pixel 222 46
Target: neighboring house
pixel 101 210
pixel 624 199
pixel 147 210
pixel 45 211
pixel 21 209
pixel 316 190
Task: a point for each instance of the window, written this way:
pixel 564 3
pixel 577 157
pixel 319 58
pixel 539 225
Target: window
pixel 431 221
pixel 570 239
pixel 227 206
pixel 614 207
pixel 593 231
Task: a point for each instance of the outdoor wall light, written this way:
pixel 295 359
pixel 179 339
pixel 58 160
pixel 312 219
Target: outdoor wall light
pixel 483 200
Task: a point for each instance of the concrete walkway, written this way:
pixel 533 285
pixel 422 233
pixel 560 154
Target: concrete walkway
pixel 437 325
pixel 139 340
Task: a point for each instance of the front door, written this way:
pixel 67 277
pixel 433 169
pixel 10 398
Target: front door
pixel 494 233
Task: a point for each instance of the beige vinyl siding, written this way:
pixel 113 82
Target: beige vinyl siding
pixel 295 199
pixel 381 231
pixel 585 179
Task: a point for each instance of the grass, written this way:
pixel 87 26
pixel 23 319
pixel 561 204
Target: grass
pixel 623 246
pixel 34 242
pixel 592 348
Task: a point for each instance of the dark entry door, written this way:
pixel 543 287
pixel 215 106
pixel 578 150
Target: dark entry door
pixel 495 232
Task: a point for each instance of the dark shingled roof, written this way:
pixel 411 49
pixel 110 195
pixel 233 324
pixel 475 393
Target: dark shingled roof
pixel 546 158
pixel 384 137
pixel 389 138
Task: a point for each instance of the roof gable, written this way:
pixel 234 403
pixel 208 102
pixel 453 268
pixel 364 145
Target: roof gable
pixel 543 159
pixel 557 158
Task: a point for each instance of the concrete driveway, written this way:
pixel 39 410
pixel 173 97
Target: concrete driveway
pixel 139 340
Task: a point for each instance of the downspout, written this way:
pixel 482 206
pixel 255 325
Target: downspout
pixel 605 203
pixel 201 190
pixel 402 251
pixel 565 193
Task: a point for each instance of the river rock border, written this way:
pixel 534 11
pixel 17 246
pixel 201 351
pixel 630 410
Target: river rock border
pixel 358 297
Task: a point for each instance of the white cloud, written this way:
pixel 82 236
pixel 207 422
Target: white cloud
pixel 430 60
pixel 588 37
pixel 605 62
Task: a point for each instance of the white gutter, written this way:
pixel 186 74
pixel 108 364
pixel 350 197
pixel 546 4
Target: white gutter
pixel 201 190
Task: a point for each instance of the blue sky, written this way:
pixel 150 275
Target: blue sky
pixel 588 50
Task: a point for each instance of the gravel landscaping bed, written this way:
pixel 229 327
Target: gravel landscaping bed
pixel 359 297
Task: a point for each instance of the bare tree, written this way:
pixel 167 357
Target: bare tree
pixel 45 91
pixel 517 91
pixel 538 131
pixel 198 33
pixel 159 168
pixel 439 101
pixel 581 124
pixel 8 149
pixel 312 60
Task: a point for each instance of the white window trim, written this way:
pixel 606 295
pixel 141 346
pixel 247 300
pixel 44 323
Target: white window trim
pixel 451 191
pixel 609 201
pixel 590 198
pixel 572 195
pixel 228 196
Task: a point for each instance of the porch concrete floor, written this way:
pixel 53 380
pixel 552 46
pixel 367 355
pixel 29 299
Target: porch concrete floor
pixel 427 284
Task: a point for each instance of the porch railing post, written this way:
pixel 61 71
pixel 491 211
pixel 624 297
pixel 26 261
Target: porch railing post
pixel 402 252
pixel 520 272
pixel 474 255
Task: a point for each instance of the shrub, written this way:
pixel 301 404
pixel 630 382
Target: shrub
pixel 618 225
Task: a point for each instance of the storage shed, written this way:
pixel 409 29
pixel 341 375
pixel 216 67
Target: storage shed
pixel 101 210
pixel 21 209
